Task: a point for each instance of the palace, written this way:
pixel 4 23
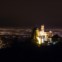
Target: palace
pixel 43 36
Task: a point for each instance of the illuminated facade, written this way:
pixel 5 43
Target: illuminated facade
pixel 43 36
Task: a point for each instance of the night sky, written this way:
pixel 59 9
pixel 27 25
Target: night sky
pixel 17 13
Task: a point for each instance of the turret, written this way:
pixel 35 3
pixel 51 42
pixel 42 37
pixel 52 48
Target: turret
pixel 42 28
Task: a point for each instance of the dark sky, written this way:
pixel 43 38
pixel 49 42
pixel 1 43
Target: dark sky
pixel 17 13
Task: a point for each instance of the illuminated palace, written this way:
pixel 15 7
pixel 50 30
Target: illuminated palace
pixel 42 36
